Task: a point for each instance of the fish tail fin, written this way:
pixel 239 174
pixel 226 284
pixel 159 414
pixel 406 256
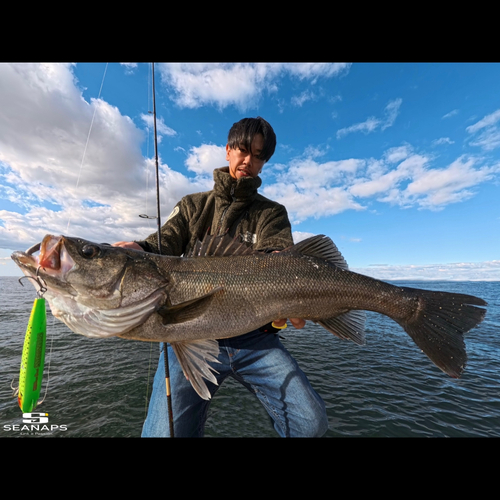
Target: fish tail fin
pixel 438 324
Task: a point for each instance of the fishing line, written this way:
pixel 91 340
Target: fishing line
pixel 148 126
pixel 87 142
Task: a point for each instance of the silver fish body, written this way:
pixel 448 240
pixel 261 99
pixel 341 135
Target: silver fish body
pixel 223 289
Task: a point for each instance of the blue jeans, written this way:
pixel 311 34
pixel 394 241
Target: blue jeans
pixel 262 364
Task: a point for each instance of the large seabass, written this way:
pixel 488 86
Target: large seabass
pixel 223 289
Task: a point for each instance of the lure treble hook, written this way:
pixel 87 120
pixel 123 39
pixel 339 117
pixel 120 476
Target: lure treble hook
pixel 42 285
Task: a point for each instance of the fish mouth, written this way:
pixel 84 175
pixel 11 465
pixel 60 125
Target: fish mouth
pixel 53 260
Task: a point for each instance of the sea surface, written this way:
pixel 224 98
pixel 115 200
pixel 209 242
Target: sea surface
pixel 387 388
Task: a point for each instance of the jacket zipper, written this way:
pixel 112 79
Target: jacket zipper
pixel 225 210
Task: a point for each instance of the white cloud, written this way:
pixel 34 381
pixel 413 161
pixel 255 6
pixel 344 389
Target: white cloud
pixel 409 168
pixel 371 124
pixel 485 122
pixel 335 98
pixel 461 271
pixel 303 203
pixel 397 154
pixel 442 140
pixel 161 128
pixel 313 71
pixel 486 132
pixel 305 96
pixel 489 140
pixel 391 112
pixel 414 183
pixel 439 187
pixel 129 67
pixel 458 175
pixel 313 188
pixel 451 113
pixel 217 84
pixel 44 125
pixel 299 236
pixel 203 159
pixel 308 173
pixel 237 84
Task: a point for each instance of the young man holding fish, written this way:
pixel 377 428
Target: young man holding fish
pixel 257 359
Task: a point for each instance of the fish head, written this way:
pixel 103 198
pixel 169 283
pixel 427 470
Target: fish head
pixel 84 280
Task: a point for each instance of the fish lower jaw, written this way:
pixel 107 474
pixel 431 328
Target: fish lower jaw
pixel 24 259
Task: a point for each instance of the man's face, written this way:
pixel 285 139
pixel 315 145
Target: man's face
pixel 243 163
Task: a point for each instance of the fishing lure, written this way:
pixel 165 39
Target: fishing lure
pixel 33 358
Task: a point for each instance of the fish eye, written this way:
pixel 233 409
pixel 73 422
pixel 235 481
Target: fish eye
pixel 90 251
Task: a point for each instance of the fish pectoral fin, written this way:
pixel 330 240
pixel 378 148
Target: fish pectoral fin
pixel 188 310
pixel 194 357
pixel 347 326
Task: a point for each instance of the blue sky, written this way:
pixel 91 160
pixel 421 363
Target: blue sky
pixel 399 163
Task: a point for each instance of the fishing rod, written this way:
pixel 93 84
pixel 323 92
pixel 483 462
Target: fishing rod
pixel 158 221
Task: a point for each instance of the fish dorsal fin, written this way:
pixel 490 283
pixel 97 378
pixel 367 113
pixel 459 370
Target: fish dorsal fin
pixel 322 247
pixel 220 246
pixel 194 357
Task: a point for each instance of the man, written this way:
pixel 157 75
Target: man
pixel 257 359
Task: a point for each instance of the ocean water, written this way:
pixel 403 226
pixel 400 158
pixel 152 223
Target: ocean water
pixel 387 388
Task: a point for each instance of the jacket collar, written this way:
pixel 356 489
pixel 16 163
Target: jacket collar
pixel 244 188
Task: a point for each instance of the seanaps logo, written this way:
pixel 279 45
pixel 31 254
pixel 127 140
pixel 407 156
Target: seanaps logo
pixel 35 424
pixel 35 418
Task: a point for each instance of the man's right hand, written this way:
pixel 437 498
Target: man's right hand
pixel 296 322
pixel 128 244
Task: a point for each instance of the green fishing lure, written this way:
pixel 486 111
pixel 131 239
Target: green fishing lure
pixel 33 359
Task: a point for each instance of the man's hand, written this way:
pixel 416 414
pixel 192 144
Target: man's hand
pixel 128 244
pixel 296 322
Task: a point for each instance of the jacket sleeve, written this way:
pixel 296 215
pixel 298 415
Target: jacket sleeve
pixel 174 234
pixel 274 231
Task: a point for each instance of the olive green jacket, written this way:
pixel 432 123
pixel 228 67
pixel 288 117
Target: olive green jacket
pixel 232 206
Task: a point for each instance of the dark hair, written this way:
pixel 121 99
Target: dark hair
pixel 243 132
